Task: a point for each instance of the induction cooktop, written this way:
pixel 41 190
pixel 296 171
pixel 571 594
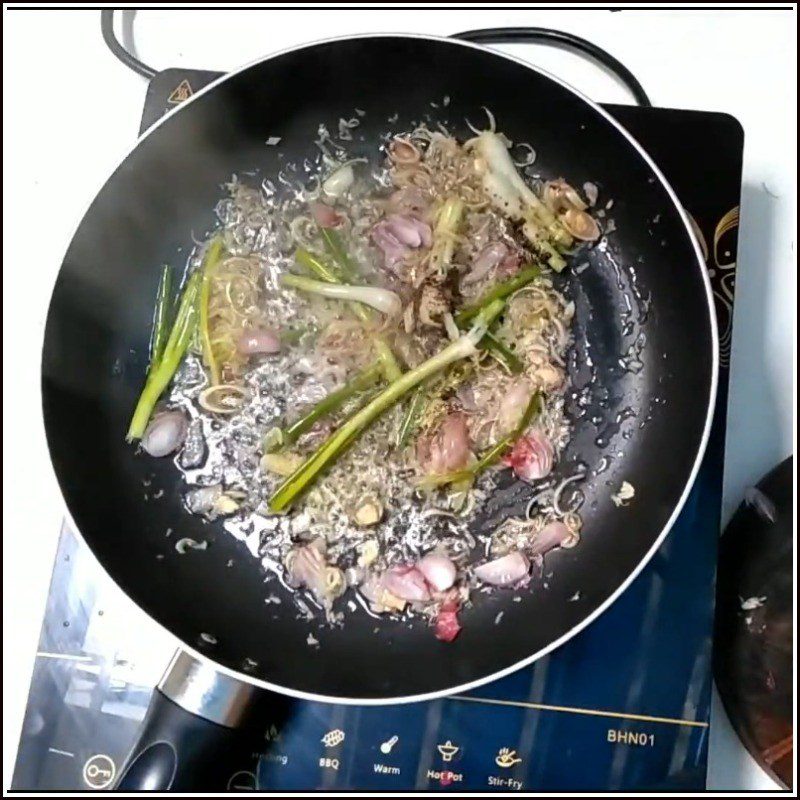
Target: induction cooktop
pixel 624 705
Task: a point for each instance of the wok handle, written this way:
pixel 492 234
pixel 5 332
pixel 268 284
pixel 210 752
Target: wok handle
pixel 565 41
pixel 201 732
pixel 180 751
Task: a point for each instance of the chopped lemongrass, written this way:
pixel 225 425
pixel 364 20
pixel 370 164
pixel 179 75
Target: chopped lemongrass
pixel 445 234
pixel 273 440
pixel 369 512
pixel 210 260
pixel 307 473
pixel 224 398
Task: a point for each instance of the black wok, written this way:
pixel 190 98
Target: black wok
pixel 95 355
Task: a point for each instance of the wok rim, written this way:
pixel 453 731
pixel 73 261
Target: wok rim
pixel 677 508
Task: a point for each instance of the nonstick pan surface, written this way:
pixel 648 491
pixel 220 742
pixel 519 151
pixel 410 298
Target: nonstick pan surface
pixel 646 347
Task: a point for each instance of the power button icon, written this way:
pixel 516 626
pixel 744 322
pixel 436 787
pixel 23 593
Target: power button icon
pixel 99 771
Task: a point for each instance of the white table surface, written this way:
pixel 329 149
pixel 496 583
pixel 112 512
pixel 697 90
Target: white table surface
pixel 71 111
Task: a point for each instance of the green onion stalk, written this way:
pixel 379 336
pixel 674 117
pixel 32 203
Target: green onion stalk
pixel 334 247
pixel 307 473
pixel 160 374
pixel 540 215
pixel 380 299
pixel 283 437
pixel 326 273
pixel 544 247
pixel 500 291
pixel 411 417
pixel 161 317
pixel 504 354
pixel 511 196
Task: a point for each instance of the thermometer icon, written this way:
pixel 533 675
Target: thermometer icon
pixel 386 747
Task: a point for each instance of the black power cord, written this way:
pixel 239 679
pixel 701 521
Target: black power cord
pixel 565 41
pixel 561 39
pixel 107 27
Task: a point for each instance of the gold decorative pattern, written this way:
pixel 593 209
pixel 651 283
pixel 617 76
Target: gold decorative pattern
pixel 592 712
pixel 720 261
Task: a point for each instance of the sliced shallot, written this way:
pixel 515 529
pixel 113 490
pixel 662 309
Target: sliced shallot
pixel 402 151
pixel 258 341
pixel 407 583
pixel 491 255
pixel 397 234
pixel 447 626
pixel 438 570
pixel 325 216
pixel 532 456
pixel 513 405
pixel 504 571
pixel 549 537
pixel 446 450
pixel 306 566
pixel 165 433
pixel 581 225
pixel 510 265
